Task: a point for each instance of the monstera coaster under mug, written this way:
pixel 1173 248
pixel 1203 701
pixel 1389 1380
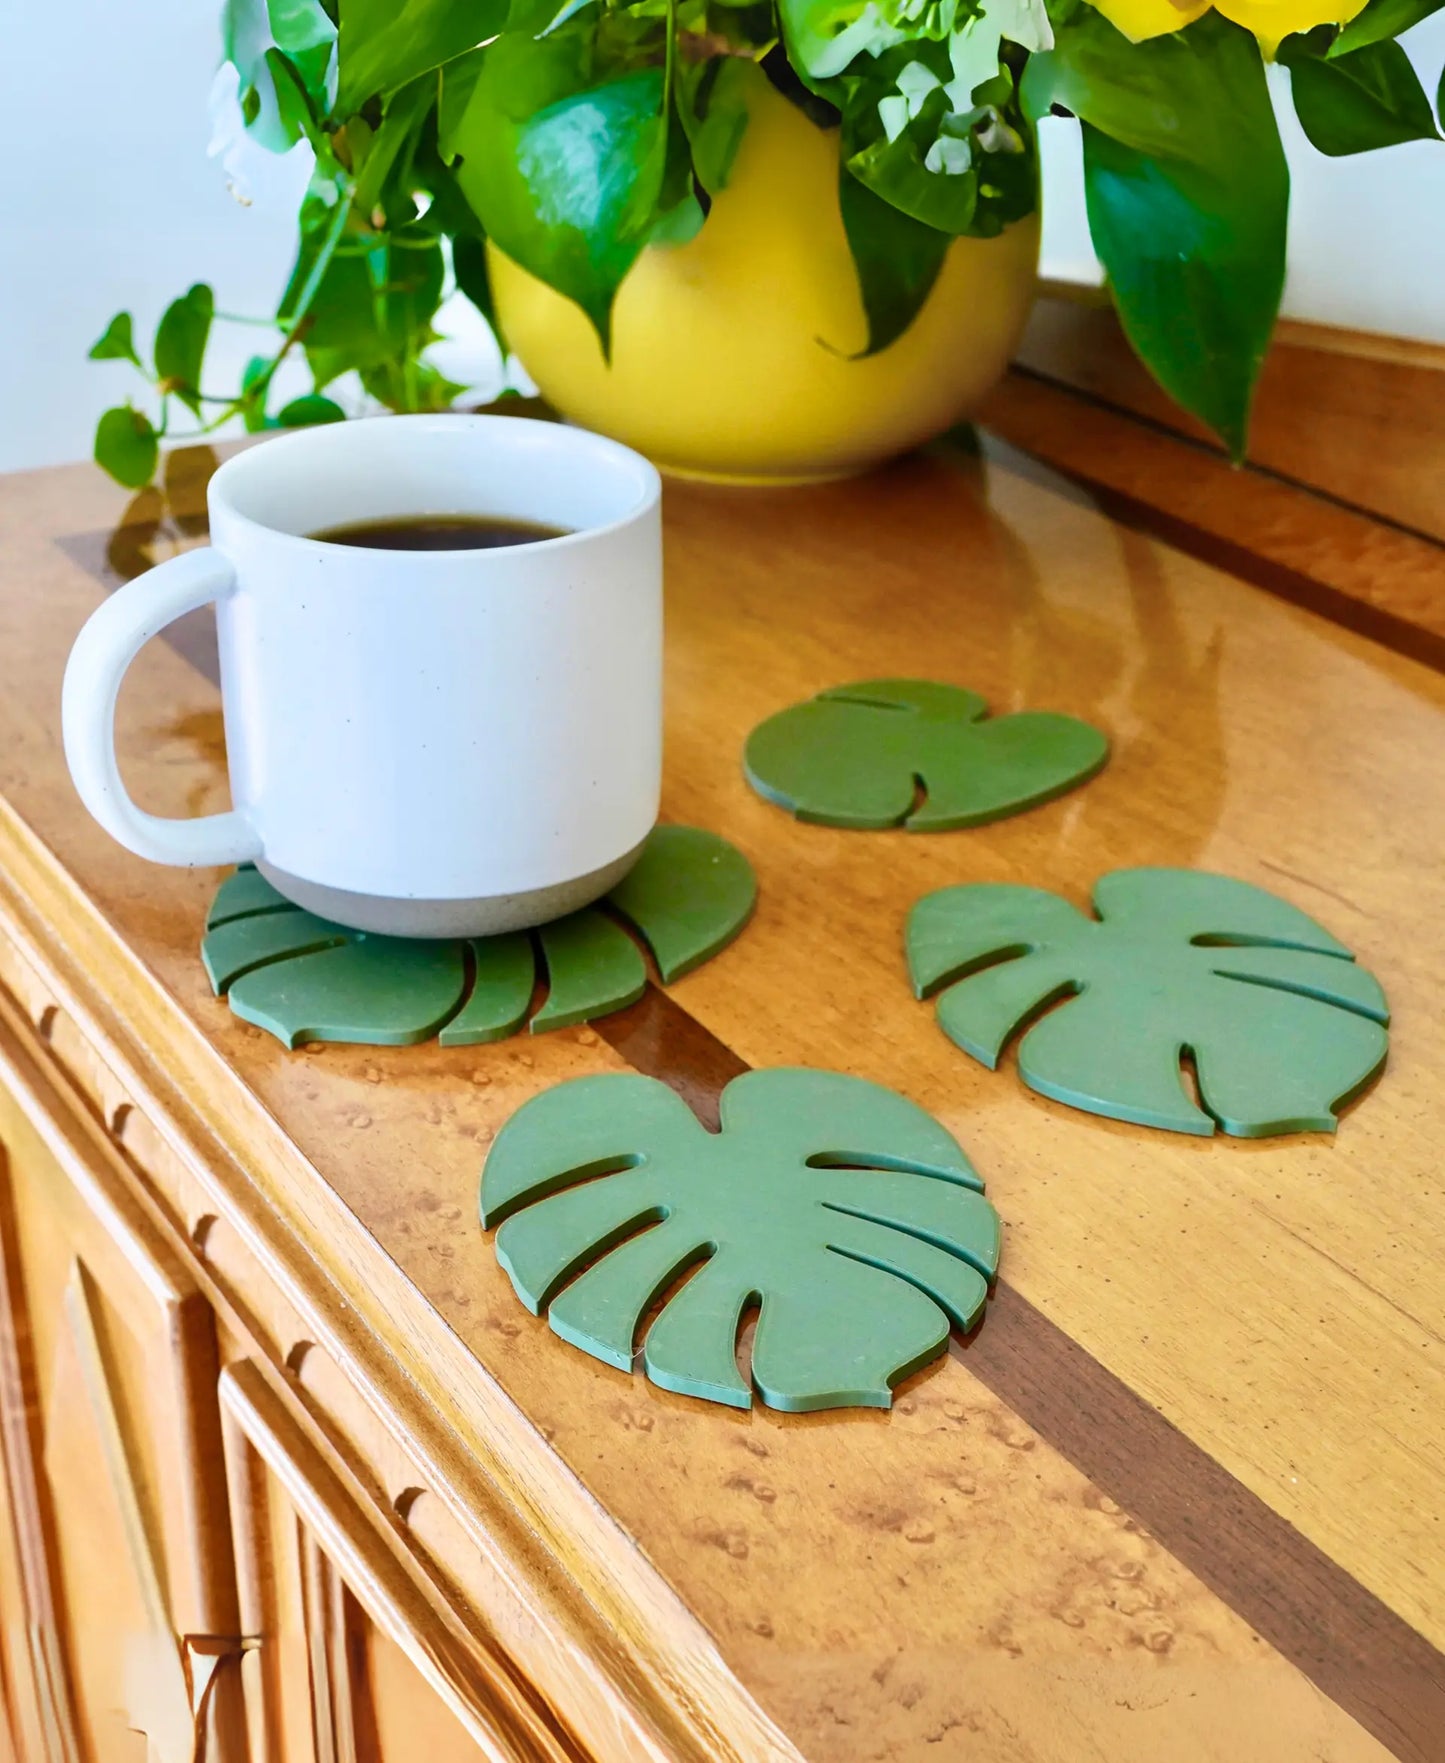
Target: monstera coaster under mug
pixel 915 753
pixel 446 743
pixel 301 979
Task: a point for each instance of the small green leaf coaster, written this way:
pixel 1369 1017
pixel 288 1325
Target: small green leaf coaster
pixel 857 756
pixel 1281 1024
pixel 846 1212
pixel 304 979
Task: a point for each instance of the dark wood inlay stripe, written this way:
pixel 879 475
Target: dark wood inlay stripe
pixel 1380 625
pixel 1341 1636
pixel 1369 575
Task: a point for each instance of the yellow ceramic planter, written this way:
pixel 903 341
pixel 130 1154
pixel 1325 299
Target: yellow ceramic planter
pixel 731 354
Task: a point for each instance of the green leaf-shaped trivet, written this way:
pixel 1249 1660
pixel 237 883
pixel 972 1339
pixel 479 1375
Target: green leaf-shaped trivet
pixel 304 979
pixel 846 1212
pixel 1280 1023
pixel 858 755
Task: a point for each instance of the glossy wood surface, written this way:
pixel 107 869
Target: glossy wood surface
pixel 1357 416
pixel 1180 1497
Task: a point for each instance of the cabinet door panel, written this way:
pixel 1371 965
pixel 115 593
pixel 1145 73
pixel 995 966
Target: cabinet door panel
pixel 112 1451
pixel 360 1659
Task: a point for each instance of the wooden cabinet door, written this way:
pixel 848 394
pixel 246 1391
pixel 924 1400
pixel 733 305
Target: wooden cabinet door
pixel 116 1578
pixel 360 1660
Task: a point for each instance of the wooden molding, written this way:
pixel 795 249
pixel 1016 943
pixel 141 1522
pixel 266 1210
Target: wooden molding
pixel 624 1657
pixel 1297 333
pixel 340 1554
pixel 29 1499
pixel 1355 416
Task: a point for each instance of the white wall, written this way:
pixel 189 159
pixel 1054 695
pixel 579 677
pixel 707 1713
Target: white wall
pixel 109 201
pixel 1367 235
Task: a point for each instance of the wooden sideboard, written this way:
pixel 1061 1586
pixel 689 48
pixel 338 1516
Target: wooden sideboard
pixel 290 1474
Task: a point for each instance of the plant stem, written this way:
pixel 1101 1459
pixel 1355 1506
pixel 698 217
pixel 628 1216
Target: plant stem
pixel 309 290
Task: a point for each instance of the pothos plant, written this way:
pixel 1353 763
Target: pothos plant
pixel 574 134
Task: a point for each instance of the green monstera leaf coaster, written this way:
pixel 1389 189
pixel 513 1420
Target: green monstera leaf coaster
pixel 1281 1024
pixel 859 755
pixel 304 979
pixel 844 1211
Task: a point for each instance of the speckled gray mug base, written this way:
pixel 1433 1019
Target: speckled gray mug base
pixel 489 916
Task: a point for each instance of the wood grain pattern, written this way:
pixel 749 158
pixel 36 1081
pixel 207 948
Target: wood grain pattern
pixel 1379 580
pixel 1234 751
pixel 1345 1641
pixel 44 1704
pixel 128 1431
pixel 337 1563
pixel 944 1575
pixel 1360 418
pixel 159 1703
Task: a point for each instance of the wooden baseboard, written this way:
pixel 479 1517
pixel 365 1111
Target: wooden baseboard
pixel 1356 417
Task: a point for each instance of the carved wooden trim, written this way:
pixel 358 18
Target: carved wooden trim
pixel 343 1552
pixel 161 1704
pixel 187 1698
pixel 30 1513
pixel 1360 418
pixel 610 1644
pixel 336 1646
pixel 246 1484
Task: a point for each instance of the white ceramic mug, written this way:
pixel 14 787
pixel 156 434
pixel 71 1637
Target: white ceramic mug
pixel 444 743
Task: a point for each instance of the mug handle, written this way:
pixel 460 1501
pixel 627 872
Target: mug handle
pixel 113 636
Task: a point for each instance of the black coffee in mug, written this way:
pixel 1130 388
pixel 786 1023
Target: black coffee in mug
pixel 439 532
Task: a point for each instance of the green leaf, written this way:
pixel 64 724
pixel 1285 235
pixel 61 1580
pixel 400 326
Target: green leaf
pixel 322 221
pixel 895 172
pixel 680 224
pixel 565 176
pixel 180 344
pixel 247 39
pixel 299 111
pixel 1188 194
pixel 825 37
pixel 457 81
pixel 127 446
pixel 845 1211
pixel 303 978
pixel 401 123
pixel 117 344
pixel 469 265
pixel 1196 272
pixel 1368 99
pixel 951 150
pixel 897 259
pixel 712 102
pixel 305 34
pixel 373 308
pixel 307 411
pixel 1380 22
pixel 1280 1022
pixel 386 43
pixel 255 381
pixel 406 385
pixel 856 755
